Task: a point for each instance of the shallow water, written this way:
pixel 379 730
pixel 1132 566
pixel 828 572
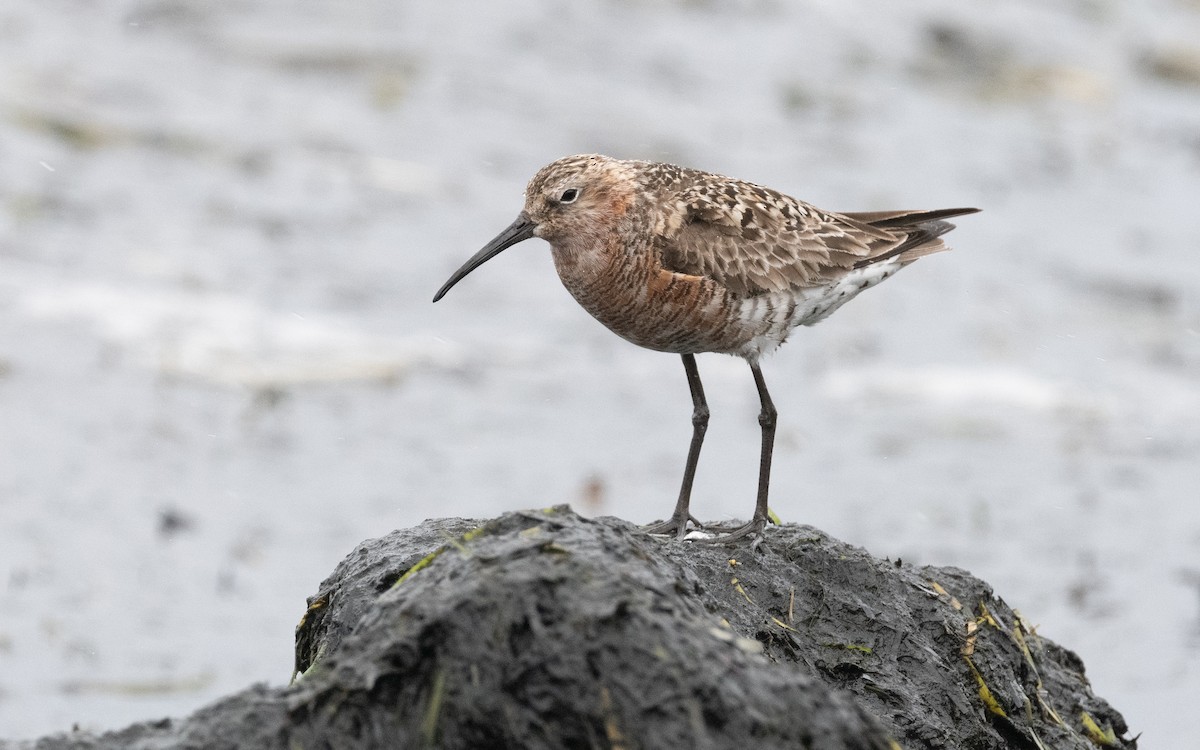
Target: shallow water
pixel 220 229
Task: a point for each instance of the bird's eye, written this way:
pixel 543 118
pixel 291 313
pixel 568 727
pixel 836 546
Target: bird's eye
pixel 569 195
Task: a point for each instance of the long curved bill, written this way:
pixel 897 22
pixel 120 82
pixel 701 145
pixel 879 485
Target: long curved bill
pixel 521 229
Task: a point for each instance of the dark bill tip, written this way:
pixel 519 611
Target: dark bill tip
pixel 519 230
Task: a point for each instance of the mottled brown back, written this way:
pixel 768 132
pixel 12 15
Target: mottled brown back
pixel 753 239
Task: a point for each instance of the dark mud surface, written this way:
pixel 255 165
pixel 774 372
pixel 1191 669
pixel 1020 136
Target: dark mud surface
pixel 547 630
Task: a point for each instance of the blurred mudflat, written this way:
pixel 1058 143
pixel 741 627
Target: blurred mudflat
pixel 221 225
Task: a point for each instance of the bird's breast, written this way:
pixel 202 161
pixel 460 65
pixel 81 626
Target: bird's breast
pixel 648 305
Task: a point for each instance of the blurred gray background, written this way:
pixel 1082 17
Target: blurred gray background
pixel 221 225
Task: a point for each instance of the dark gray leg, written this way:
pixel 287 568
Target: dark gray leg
pixel 766 419
pixel 678 522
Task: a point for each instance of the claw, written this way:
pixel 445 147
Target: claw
pixel 753 530
pixel 672 526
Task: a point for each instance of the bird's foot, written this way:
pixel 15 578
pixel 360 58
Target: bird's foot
pixel 675 525
pixel 752 530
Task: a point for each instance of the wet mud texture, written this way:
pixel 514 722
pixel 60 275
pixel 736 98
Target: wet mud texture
pixel 543 629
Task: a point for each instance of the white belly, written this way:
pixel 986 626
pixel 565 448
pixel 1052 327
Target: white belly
pixel 771 317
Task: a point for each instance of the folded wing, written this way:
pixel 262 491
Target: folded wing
pixel 754 240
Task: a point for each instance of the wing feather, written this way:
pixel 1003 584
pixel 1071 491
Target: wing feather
pixel 755 240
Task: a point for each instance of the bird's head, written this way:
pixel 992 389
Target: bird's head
pixel 573 200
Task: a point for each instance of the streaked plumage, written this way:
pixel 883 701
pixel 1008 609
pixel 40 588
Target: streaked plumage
pixel 684 261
